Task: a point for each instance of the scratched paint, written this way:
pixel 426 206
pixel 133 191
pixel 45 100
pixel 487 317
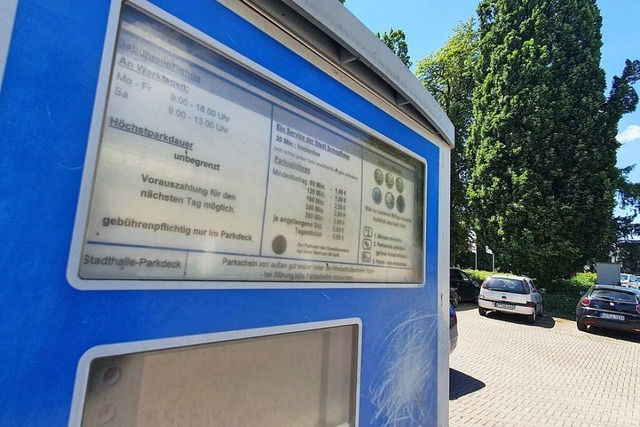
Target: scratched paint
pixel 399 389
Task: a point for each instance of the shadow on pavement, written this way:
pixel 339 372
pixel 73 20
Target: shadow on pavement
pixel 545 321
pixel 466 306
pixel 462 384
pixel 619 335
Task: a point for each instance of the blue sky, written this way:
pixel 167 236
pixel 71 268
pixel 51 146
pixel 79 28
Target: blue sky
pixel 428 23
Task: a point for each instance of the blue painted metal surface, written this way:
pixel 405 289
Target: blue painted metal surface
pixel 45 111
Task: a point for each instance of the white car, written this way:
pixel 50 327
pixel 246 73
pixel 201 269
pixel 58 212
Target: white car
pixel 510 294
pixel 628 280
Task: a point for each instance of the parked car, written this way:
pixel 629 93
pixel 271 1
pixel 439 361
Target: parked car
pixel 629 280
pixel 462 287
pixel 609 307
pixel 510 294
pixel 453 329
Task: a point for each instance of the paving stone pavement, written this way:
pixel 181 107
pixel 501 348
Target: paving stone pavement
pixel 506 372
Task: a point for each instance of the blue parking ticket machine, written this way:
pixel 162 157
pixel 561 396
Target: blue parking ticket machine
pixel 218 213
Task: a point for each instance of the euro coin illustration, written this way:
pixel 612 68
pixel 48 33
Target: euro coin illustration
pixel 400 204
pixel 378 176
pixel 279 244
pixel 377 195
pixel 389 180
pixel 389 200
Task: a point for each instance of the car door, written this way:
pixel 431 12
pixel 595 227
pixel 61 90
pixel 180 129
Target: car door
pixel 455 281
pixel 536 297
pixel 468 286
pixel 459 282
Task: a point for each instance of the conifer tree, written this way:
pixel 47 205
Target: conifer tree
pixel 544 177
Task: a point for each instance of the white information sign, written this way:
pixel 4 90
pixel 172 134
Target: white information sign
pixel 206 171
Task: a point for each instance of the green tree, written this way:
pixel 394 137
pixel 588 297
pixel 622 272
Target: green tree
pixel 629 254
pixel 448 74
pixel 542 188
pixel 629 192
pixel 623 99
pixel 395 40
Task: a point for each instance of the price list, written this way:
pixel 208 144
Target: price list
pixel 321 212
pixel 339 213
pixel 315 204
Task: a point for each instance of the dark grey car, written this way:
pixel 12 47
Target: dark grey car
pixel 609 307
pixel 462 287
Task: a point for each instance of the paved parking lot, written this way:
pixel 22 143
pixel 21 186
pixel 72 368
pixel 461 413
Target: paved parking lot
pixel 506 372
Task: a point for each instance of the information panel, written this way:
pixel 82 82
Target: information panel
pixel 208 171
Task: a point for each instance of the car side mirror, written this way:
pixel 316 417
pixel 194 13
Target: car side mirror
pixel 583 293
pixel 543 291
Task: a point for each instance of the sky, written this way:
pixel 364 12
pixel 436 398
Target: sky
pixel 427 25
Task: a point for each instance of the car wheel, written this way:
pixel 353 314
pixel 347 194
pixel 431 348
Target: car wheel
pixel 532 318
pixel 581 326
pixel 455 298
pixel 482 311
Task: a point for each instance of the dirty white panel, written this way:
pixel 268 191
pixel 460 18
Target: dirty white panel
pixel 305 378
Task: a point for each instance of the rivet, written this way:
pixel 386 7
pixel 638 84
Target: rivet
pixel 111 375
pixel 106 414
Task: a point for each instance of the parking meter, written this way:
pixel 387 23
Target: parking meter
pixel 218 213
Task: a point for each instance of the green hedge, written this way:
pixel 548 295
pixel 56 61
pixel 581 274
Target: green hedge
pixel 478 275
pixel 561 297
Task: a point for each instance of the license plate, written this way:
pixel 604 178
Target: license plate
pixel 505 306
pixel 611 316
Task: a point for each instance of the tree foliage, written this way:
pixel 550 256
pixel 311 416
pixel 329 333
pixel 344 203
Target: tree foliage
pixel 624 99
pixel 629 253
pixel 448 74
pixel 396 41
pixel 628 192
pixel 543 141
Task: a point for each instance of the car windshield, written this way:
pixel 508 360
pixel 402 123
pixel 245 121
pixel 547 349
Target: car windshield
pixel 624 277
pixel 613 295
pixel 505 284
